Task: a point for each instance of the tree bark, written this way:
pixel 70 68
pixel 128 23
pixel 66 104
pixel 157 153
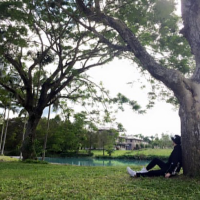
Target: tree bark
pixel 189 113
pixel 190 109
pixel 190 132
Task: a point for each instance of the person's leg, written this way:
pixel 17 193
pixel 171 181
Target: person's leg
pixel 155 162
pixel 151 173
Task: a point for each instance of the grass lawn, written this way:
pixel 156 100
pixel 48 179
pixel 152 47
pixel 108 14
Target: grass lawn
pixel 7 159
pixel 56 182
pixel 146 152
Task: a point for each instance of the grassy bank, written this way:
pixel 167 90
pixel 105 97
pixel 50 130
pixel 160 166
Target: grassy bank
pixel 132 154
pixel 55 182
pixel 142 153
pixel 7 159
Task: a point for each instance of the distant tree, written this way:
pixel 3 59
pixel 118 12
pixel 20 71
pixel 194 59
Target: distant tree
pixel 147 139
pixel 165 141
pixel 14 136
pixel 92 137
pixel 7 103
pixel 139 136
pixel 55 134
pixel 107 138
pixel 156 141
pixel 120 128
pixel 110 149
pixel 142 146
pixel 4 103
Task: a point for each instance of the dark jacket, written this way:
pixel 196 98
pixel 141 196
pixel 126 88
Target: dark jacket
pixel 175 160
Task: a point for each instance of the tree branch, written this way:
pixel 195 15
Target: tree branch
pixel 191 30
pixel 169 77
pixel 20 99
pixel 100 36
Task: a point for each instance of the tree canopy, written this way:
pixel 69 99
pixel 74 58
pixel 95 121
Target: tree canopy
pixel 44 55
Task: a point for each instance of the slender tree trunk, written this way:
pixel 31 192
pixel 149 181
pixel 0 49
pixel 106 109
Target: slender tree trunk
pixel 4 139
pixel 46 135
pixel 24 131
pixel 28 148
pixel 103 148
pixel 2 131
pixel 90 143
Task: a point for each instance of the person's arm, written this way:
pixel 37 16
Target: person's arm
pixel 175 158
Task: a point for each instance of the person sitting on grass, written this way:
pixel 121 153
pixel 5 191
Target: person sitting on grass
pixel 172 167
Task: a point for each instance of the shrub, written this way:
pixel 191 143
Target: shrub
pixel 35 161
pixel 141 146
pixel 110 150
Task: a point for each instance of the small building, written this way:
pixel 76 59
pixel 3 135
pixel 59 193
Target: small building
pixel 128 142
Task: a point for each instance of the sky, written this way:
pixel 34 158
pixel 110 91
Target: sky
pixel 162 118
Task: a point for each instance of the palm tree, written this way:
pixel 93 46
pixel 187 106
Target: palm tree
pixel 3 124
pixel 12 107
pixel 23 112
pixel 55 106
pixel 6 103
pixel 46 135
pixel 5 133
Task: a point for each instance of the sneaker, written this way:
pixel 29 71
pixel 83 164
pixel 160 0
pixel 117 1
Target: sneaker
pixel 131 172
pixel 143 170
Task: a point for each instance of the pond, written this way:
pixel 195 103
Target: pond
pixel 96 162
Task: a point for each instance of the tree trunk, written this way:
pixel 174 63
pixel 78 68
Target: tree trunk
pixel 46 135
pixel 28 147
pixel 190 132
pixel 24 131
pixel 2 130
pixel 4 139
pixel 90 143
pixel 103 148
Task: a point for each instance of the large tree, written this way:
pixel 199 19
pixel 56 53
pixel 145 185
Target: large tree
pixel 44 55
pixel 149 29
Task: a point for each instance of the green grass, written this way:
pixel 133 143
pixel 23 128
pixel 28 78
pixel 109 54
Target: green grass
pixel 7 159
pixel 56 182
pixel 145 152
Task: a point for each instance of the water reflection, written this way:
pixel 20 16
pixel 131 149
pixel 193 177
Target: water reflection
pixel 96 162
